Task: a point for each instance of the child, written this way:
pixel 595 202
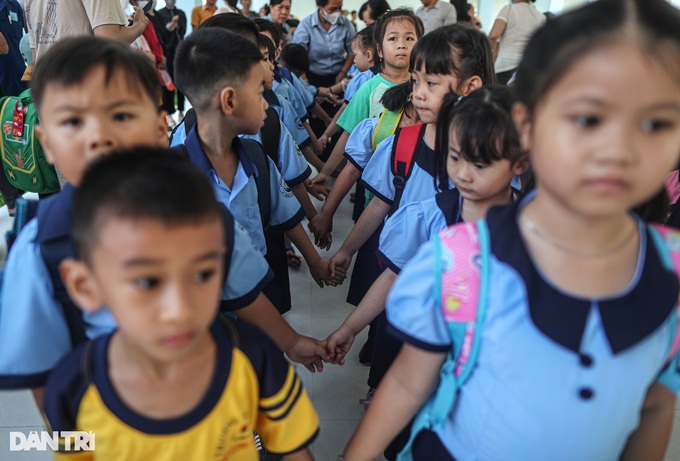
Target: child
pixel 449 58
pixel 396 33
pixel 572 359
pixel 94 96
pixel 478 151
pixel 365 57
pixel 225 87
pixel 175 380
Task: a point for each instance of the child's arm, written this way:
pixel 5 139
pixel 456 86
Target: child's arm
pixel 312 158
pixel 333 160
pixel 302 455
pixel 650 439
pixel 301 349
pixel 368 222
pixel 318 266
pixel 372 304
pixel 300 192
pixel 408 383
pixel 322 224
pixel 333 127
pixel 316 144
pixel 321 114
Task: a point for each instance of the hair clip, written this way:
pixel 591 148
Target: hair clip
pixel 460 98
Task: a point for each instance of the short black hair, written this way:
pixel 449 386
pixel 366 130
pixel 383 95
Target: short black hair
pixel 483 125
pixel 71 60
pixel 292 22
pixel 235 23
pixel 210 59
pixel 142 183
pixel 295 58
pixel 366 40
pixel 377 8
pixel 457 50
pixel 265 25
pixel 265 42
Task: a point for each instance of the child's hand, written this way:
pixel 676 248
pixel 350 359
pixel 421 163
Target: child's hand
pixel 340 261
pixel 321 273
pixel 321 226
pixel 317 147
pixel 318 191
pixel 309 352
pixel 339 344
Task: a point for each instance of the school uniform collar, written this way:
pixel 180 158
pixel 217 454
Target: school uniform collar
pixel 627 318
pixel 425 155
pixel 271 98
pixel 200 159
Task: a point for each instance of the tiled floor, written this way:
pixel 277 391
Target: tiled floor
pixel 335 392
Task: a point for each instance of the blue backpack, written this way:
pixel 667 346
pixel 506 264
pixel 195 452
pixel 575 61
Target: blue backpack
pixel 462 253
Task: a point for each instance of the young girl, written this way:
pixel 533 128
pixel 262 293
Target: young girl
pixel 396 33
pixel 365 57
pixel 572 362
pixel 478 150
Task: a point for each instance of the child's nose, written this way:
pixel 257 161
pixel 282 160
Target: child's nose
pixel 177 305
pixel 100 139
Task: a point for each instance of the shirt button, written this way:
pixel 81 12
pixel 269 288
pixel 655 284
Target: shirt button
pixel 586 393
pixel 586 360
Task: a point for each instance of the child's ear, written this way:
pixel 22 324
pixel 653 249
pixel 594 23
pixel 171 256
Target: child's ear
pixel 522 119
pixel 162 128
pixel 380 53
pixel 227 100
pixel 470 85
pixel 44 143
pixel 81 285
pixel 369 55
pixel 521 166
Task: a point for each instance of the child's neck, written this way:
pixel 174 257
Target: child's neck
pixel 430 135
pixel 217 140
pixel 395 75
pixel 161 389
pixel 473 210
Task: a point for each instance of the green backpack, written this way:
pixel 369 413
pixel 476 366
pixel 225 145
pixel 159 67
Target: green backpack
pixel 23 160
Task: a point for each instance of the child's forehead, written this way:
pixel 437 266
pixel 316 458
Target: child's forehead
pixel 400 25
pixel 103 81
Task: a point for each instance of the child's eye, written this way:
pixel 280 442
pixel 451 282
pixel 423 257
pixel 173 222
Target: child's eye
pixel 146 283
pixel 204 276
pixel 453 157
pixel 586 121
pixel 122 117
pixel 480 166
pixel 651 126
pixel 392 39
pixel 72 121
pixel 412 39
pixel 431 84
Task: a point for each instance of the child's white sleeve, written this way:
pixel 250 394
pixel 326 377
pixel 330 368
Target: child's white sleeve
pixel 413 311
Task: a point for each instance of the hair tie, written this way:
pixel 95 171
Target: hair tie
pixel 460 98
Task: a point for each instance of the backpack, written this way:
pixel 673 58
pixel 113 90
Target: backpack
pixel 54 239
pixel 406 143
pixel 463 287
pixel 23 159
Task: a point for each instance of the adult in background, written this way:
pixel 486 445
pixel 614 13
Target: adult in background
pixel 372 10
pixel 510 33
pixel 12 65
pixel 246 10
pixel 461 7
pixel 327 36
pixel 174 21
pixel 202 12
pixel 229 7
pixel 435 14
pixel 50 21
pixel 279 12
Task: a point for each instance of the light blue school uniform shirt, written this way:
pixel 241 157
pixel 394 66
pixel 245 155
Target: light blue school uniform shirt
pixel 242 200
pixel 289 118
pixel 414 224
pixel 34 335
pixel 291 163
pixel 284 90
pixel 359 79
pixel 557 377
pixel 377 177
pixel 327 49
pixel 305 90
pixel 359 147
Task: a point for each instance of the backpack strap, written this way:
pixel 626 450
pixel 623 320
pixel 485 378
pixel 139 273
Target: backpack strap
pixel 403 157
pixel 387 125
pixel 253 150
pixel 271 134
pixel 450 203
pixel 187 123
pixel 54 239
pixel 25 210
pixel 667 241
pixel 462 254
pixel 229 224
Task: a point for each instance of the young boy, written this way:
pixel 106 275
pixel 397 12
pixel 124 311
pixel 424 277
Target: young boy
pixel 175 380
pixel 221 74
pixel 94 96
